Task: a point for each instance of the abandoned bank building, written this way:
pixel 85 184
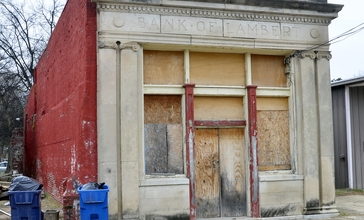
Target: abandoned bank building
pixel 187 109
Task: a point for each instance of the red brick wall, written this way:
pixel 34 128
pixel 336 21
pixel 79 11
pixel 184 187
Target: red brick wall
pixel 60 126
pixel 17 150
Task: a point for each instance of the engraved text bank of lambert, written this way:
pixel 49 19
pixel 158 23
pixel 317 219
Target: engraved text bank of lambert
pixel 149 23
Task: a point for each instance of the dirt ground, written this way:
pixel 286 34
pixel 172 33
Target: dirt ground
pixel 47 203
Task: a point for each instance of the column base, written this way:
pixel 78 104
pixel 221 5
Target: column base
pixel 312 211
pixel 329 209
pixel 320 210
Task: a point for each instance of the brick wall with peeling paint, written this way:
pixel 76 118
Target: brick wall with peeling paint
pixel 60 124
pixel 16 157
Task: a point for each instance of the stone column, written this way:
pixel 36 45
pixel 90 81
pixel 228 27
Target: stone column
pixel 307 130
pixel 119 116
pixel 327 176
pixel 106 123
pixel 131 96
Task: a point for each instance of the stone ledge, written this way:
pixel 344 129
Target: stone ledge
pixel 279 177
pixel 165 181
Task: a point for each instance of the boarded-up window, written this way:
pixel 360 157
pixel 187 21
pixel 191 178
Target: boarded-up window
pixel 273 134
pixel 268 71
pixel 218 108
pixel 163 67
pixel 217 69
pixel 163 134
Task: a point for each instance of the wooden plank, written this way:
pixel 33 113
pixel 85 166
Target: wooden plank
pixel 272 103
pixel 268 71
pixel 218 108
pixel 222 123
pixel 273 138
pixel 232 171
pixel 155 148
pixel 207 173
pixel 162 109
pixel 270 168
pixel 175 150
pixel 163 67
pixel 217 69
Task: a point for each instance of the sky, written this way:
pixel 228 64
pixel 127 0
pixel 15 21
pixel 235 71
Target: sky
pixel 347 55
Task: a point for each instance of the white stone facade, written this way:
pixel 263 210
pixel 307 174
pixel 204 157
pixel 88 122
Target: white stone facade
pixel 126 28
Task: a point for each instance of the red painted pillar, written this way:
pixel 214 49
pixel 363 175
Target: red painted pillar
pixel 253 150
pixel 189 146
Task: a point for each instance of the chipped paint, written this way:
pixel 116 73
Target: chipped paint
pixel 189 102
pixel 73 159
pixel 255 169
pixel 253 155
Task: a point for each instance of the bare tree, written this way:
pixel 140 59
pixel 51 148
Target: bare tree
pixel 24 31
pixel 25 27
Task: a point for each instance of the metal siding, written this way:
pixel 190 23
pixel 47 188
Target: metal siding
pixel 340 138
pixel 357 125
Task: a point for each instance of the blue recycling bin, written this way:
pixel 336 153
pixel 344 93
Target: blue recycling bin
pixel 25 205
pixel 94 203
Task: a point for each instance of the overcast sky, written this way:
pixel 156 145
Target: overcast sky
pixel 347 55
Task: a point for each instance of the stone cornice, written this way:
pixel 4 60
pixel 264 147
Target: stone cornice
pixel 211 13
pixel 320 6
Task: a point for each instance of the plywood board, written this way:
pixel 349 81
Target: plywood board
pixel 268 71
pixel 273 139
pixel 269 103
pixel 175 148
pixel 217 69
pixel 162 109
pixel 218 108
pixel 155 148
pixel 232 171
pixel 207 173
pixel 163 67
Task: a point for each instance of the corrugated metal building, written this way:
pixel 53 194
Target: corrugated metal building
pixel 348 108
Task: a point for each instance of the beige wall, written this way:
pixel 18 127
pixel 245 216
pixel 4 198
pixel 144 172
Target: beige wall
pixel 134 195
pixel 281 195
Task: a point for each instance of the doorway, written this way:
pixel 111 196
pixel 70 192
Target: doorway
pixel 220 172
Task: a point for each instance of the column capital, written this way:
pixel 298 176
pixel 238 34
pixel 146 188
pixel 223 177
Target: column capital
pixel 324 54
pixel 108 44
pixel 310 54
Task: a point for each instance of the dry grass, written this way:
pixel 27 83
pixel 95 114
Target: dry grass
pixel 349 192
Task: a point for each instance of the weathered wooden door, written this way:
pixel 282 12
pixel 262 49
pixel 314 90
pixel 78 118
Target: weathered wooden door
pixel 220 172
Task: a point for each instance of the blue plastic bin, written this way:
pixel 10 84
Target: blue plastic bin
pixel 25 205
pixel 94 204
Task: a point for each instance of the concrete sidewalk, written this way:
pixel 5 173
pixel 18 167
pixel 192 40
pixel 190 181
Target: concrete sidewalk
pixel 350 207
